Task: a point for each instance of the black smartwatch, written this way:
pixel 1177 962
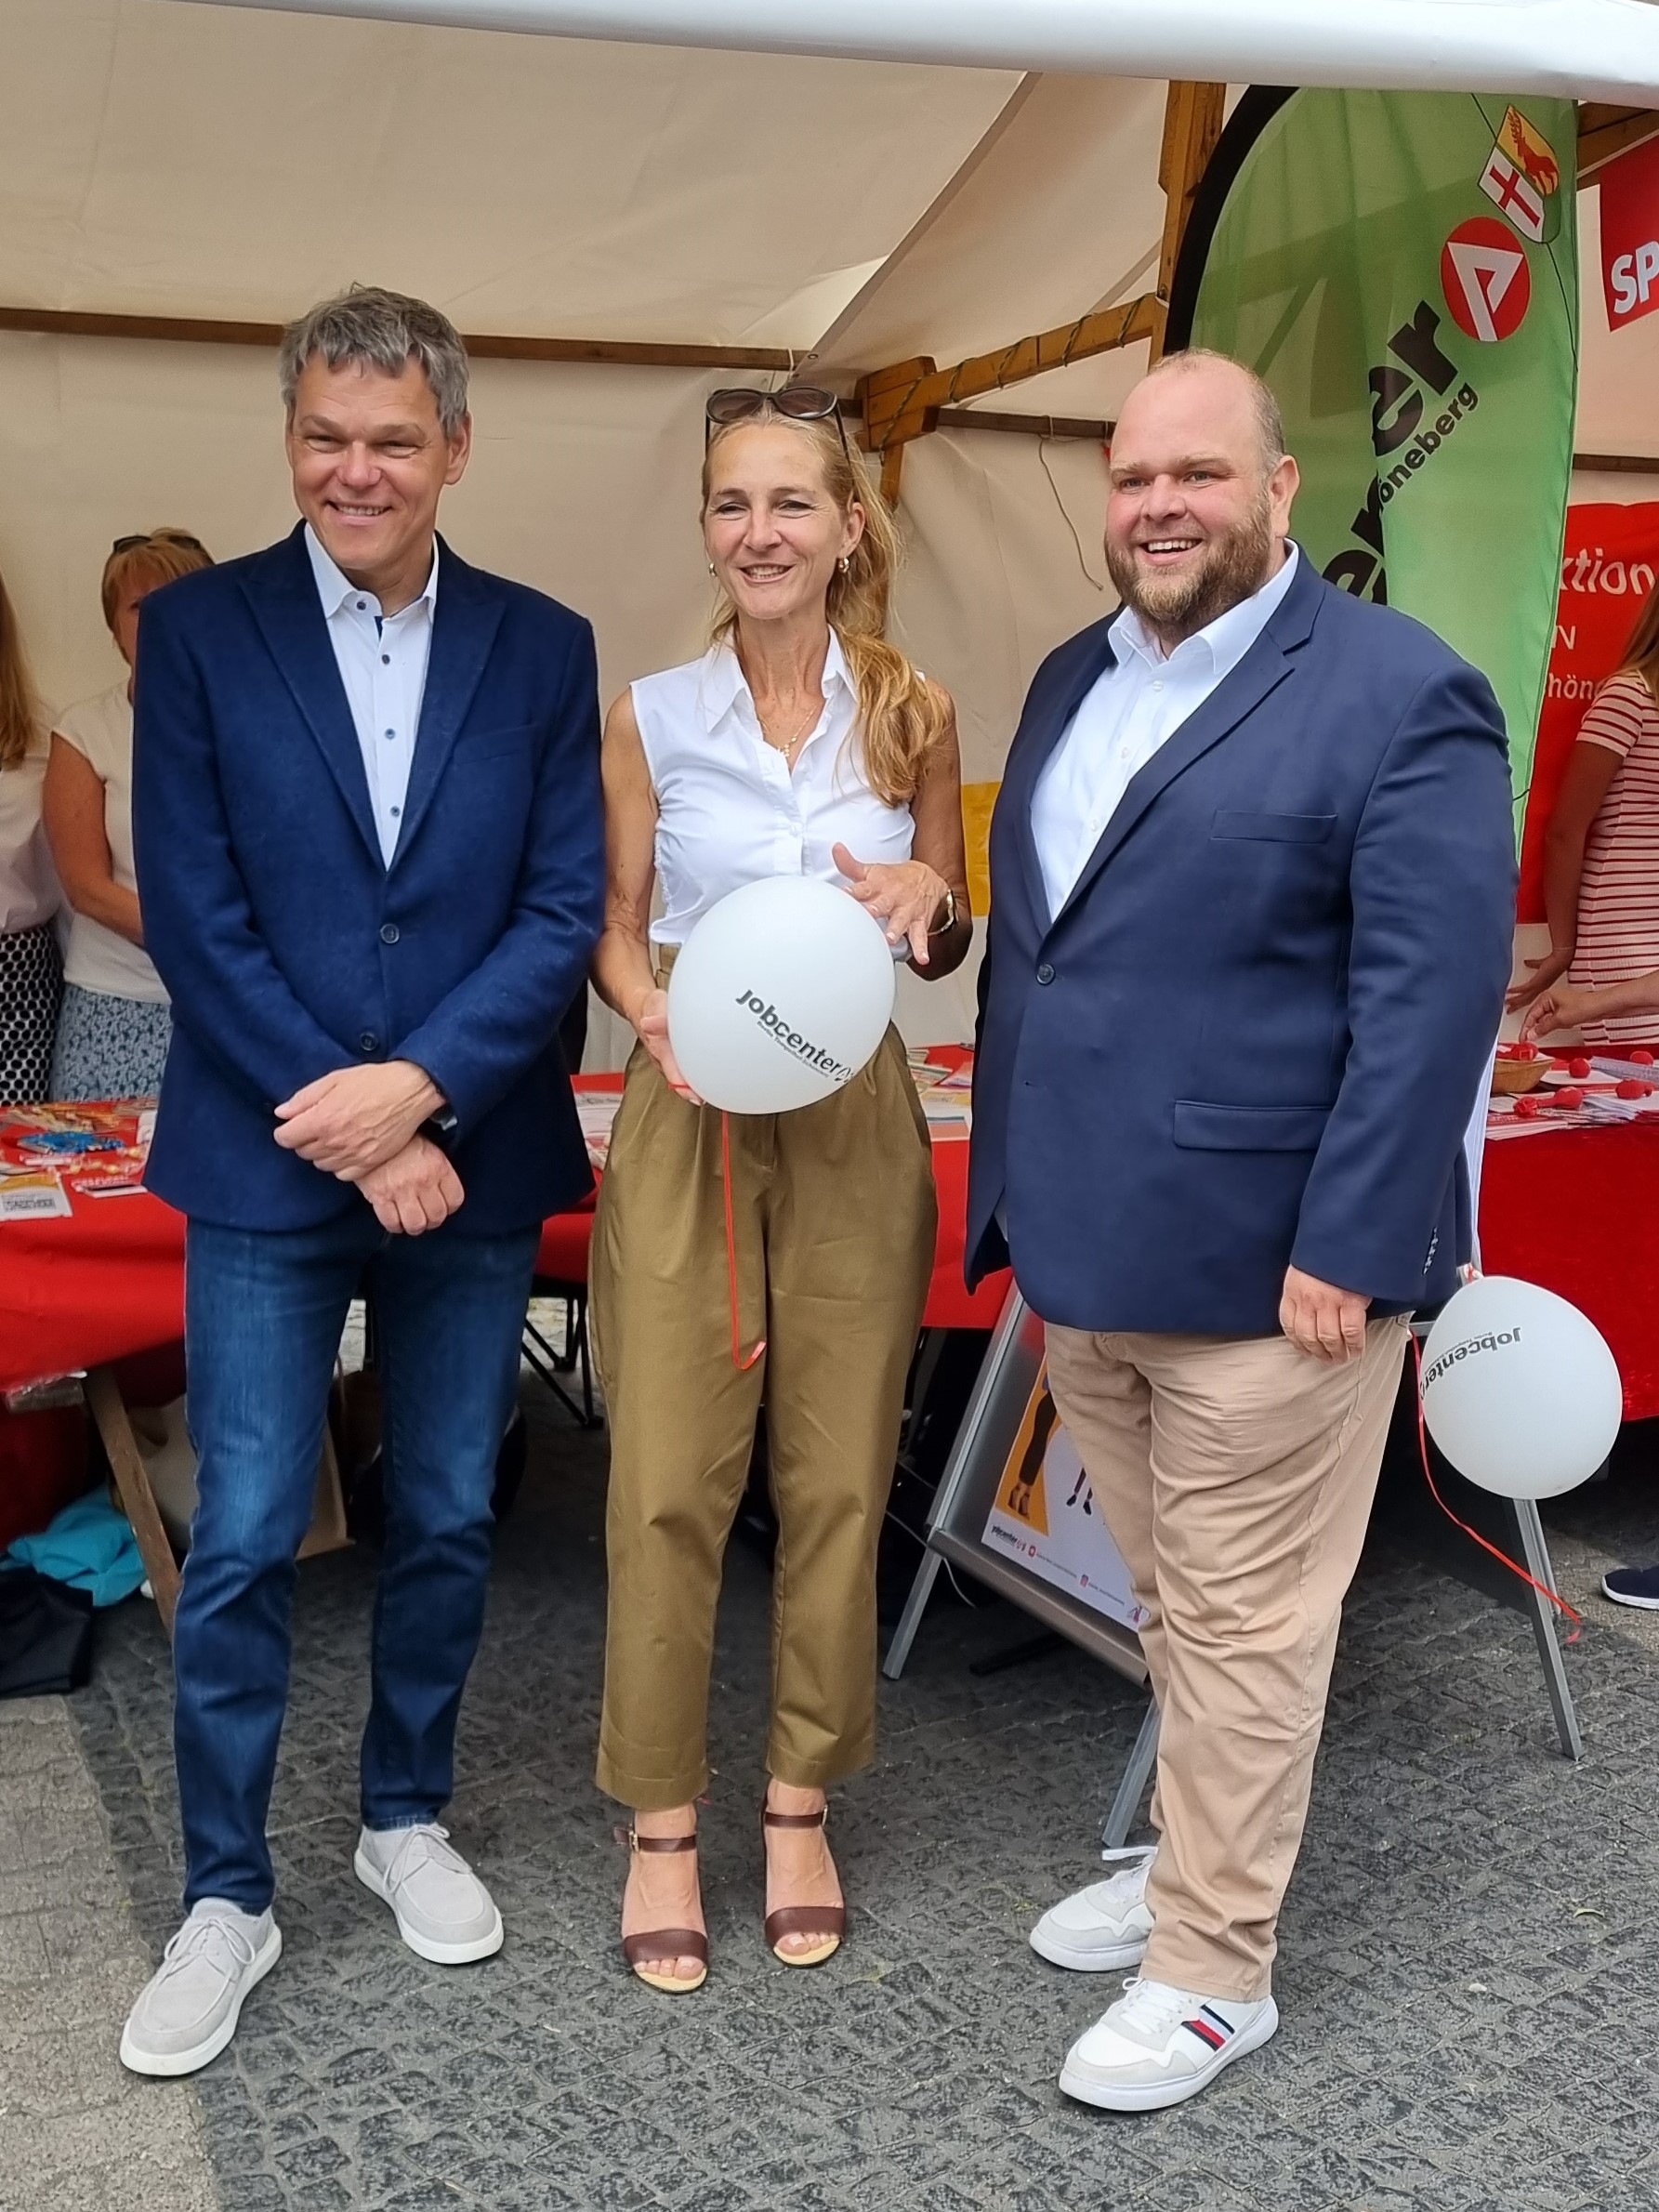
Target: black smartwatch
pixel 442 1127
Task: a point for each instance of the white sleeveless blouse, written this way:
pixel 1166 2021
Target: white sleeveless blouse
pixel 728 809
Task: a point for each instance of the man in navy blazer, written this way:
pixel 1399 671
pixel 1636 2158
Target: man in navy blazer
pixel 1253 881
pixel 369 843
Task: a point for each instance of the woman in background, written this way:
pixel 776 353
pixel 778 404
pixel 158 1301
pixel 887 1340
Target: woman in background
pixel 31 975
pixel 1602 852
pixel 113 1026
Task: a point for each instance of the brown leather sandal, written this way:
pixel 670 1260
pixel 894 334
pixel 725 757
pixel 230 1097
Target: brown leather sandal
pixel 666 1943
pixel 828 1922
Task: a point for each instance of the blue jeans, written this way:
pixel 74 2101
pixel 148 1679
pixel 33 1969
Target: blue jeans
pixel 263 1315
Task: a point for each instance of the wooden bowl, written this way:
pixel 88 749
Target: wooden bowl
pixel 1511 1077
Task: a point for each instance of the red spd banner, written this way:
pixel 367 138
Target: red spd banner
pixel 1630 234
pixel 1607 571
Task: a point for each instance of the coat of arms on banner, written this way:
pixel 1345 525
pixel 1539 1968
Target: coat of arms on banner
pixel 1522 178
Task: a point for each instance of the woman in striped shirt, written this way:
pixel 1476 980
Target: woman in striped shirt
pixel 1601 853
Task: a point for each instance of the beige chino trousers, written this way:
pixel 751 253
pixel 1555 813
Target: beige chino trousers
pixel 1236 1476
pixel 833 1218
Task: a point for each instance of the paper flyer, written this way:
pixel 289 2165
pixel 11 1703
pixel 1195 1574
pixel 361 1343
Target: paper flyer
pixel 33 1198
pixel 100 1150
pixel 1046 1520
pixel 596 1110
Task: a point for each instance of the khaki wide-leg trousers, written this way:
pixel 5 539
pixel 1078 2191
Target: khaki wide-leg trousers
pixel 1236 1477
pixel 833 1216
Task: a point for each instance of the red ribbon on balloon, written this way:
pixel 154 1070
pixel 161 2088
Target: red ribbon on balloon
pixel 1474 1534
pixel 738 1361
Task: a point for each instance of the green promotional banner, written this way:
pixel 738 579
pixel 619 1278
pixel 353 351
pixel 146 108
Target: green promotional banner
pixel 1403 269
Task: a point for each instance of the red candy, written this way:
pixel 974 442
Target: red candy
pixel 1568 1099
pixel 1530 1052
pixel 1641 1057
pixel 1578 1067
pixel 1628 1090
pixel 1527 1106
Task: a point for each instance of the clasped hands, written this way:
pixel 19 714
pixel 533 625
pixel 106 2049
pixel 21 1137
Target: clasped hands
pixel 362 1124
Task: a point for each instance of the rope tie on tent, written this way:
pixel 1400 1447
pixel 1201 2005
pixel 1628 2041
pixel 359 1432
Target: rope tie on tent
pixel 738 1361
pixel 1474 1534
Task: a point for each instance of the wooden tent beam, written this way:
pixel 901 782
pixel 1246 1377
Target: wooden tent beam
pixel 1093 429
pixel 1604 132
pixel 201 330
pixel 903 403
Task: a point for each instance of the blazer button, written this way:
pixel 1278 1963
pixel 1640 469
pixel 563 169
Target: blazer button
pixel 389 933
pixel 1044 973
pixel 369 1041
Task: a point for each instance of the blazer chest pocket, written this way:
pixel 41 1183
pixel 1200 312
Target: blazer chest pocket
pixel 494 744
pixel 1277 829
pixel 1205 1126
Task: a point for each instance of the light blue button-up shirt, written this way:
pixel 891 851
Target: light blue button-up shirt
pixel 1130 711
pixel 382 662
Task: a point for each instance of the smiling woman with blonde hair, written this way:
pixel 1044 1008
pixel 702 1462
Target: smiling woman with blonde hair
pixel 774 1262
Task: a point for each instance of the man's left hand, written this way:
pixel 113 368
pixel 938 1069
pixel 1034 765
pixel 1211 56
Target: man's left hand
pixel 351 1121
pixel 1325 1323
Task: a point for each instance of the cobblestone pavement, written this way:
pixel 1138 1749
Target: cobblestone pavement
pixel 1465 1976
pixel 77 2132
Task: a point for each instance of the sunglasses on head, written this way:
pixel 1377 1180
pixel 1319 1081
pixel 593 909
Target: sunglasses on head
pixel 798 402
pixel 151 537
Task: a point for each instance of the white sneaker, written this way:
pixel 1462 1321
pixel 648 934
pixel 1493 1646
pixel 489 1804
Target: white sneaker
pixel 444 1912
pixel 1104 1927
pixel 1159 2046
pixel 187 2010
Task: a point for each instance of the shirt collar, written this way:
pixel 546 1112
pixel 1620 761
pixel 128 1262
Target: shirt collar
pixel 1223 642
pixel 723 685
pixel 334 588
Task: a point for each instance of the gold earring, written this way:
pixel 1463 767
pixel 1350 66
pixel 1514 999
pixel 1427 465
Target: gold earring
pixel 711 568
pixel 845 565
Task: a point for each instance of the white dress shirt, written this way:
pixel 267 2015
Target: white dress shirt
pixel 730 811
pixel 382 662
pixel 1130 711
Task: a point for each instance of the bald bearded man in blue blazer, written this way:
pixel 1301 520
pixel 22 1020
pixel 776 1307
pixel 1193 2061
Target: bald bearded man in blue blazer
pixel 1253 890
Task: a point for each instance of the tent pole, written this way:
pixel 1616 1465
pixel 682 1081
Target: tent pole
pixel 1192 119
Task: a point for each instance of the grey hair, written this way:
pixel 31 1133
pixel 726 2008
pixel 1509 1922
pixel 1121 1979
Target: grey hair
pixel 372 328
pixel 1269 422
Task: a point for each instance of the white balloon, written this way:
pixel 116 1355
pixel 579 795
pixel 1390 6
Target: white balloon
pixel 1520 1389
pixel 780 996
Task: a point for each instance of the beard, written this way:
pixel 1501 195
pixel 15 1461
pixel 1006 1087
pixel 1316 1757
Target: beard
pixel 1229 569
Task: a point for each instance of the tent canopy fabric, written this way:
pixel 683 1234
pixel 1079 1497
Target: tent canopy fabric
pixel 167 158
pixel 1582 49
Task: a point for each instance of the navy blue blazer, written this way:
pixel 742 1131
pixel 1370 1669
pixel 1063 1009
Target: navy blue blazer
pixel 1254 1032
pixel 288 946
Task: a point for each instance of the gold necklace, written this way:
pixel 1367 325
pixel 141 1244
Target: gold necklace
pixel 788 746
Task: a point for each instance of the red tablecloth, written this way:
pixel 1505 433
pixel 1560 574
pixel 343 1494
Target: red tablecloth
pixel 107 1281
pixel 1579 1211
pixel 1576 1210
pixel 82 1291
